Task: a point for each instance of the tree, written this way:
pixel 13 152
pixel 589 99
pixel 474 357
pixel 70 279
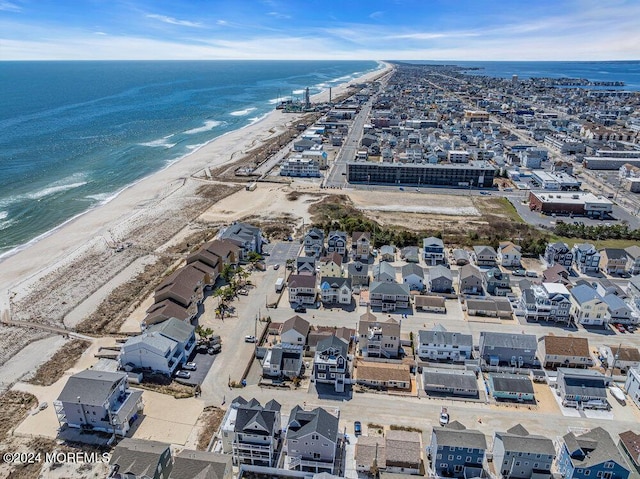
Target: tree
pixel 227 272
pixel 254 257
pixel 204 333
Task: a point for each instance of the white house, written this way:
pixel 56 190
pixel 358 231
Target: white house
pixel 509 254
pixel 440 344
pixel 413 275
pixel 335 290
pixel 294 331
pixel 151 351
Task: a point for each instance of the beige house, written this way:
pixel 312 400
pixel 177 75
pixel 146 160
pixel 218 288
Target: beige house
pixel 509 254
pixel 587 306
pixel 565 352
pixel 382 375
pixel 361 243
pixel 330 265
pixel 379 339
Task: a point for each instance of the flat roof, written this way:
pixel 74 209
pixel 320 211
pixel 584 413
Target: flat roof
pixel 571 197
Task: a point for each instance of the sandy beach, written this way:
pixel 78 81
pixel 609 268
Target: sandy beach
pixel 54 281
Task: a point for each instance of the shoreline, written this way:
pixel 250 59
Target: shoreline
pixel 41 255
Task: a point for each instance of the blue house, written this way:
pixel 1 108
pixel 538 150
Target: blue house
pixel 433 251
pixel 456 451
pixel 592 455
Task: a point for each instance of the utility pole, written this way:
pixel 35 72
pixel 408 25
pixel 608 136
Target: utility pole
pixel 615 359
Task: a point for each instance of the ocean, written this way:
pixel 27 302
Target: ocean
pixel 75 134
pixel 626 71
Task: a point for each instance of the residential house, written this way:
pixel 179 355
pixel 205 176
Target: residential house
pixel 546 302
pixel 388 253
pixel 440 279
pixel 164 310
pixel 256 432
pixel 518 350
pixel 461 257
pixel 586 257
pixel 592 454
pixel 587 306
pixel 605 286
pixel 313 441
pixel 556 274
pixel 98 401
pixel 153 352
pixel 630 444
pixel 471 280
pixel 180 332
pixel 619 311
pixel 509 254
pixel 314 242
pixel 403 452
pixel 430 304
pixel 450 382
pixel 337 242
pixel 519 454
pixel 245 236
pixel 485 255
pixel 411 254
pixel 634 290
pixel 433 251
pixel 320 333
pixel 228 252
pixel 389 296
pixel 456 451
pixel 183 287
pixel 306 265
pixel 294 331
pixel 633 262
pixel 623 358
pixel 190 464
pixel 496 282
pixel 283 360
pixel 565 352
pixel 558 253
pixel 490 307
pixel 511 387
pixel 442 345
pixel 384 272
pixel 382 375
pixel 141 458
pixel 583 388
pixel 413 275
pixel 358 273
pixel 613 260
pixel 208 262
pixel 302 289
pixel 330 265
pixel 330 363
pixel 378 339
pixel 632 385
pixel 361 244
pixel 369 452
pixel 335 290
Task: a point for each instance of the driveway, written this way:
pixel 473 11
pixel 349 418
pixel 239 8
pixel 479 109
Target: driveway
pixel 203 363
pixel 280 252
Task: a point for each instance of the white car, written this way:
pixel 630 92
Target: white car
pixel 249 339
pixel 444 419
pixel 190 366
pixel 183 374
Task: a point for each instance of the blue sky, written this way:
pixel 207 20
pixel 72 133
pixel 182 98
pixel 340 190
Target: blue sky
pixel 328 29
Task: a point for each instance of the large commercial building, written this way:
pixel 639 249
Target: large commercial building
pixel 478 174
pixel 579 203
pixel 608 162
pixel 555 181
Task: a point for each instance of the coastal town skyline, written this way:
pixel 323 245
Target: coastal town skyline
pixel 270 29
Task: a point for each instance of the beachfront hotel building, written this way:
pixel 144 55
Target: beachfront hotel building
pixel 478 174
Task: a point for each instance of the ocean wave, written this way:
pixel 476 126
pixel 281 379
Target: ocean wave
pixel 3 214
pixel 208 125
pixel 244 112
pixel 297 92
pixel 5 224
pixel 256 119
pixel 160 143
pixel 275 101
pixel 195 147
pixel 50 190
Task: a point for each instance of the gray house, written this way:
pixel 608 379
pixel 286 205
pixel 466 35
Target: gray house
pixel 256 432
pixel 389 296
pixel 384 272
pixel 440 279
pixel 442 345
pixel 314 242
pixel 411 254
pixel 619 311
pixel 471 280
pixel 337 242
pixel 413 275
pixel 388 253
pixel 141 458
pixel 518 350
pixel 98 401
pixel 485 255
pixel 583 388
pixel 312 440
pixel 433 251
pixel 283 360
pixel 457 451
pixel 520 455
pixel 496 282
pixel 558 253
pixel 330 364
pixel 306 265
pixel 358 273
pixel 246 236
pixel 461 257
pixel 450 382
pixel 587 257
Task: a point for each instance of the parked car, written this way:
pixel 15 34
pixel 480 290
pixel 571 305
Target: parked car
pixel 243 292
pixel 300 309
pixel 215 339
pixel 215 349
pixel 190 366
pixel 183 374
pixel 276 266
pixel 519 272
pixel 531 274
pixel 444 418
pixel 249 339
pixel 357 428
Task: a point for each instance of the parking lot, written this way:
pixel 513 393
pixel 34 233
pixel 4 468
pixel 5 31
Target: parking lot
pixel 280 252
pixel 203 363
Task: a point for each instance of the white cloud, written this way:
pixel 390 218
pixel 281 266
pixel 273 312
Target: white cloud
pixel 376 15
pixel 174 21
pixel 279 15
pixel 99 33
pixel 9 7
pixel 221 22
